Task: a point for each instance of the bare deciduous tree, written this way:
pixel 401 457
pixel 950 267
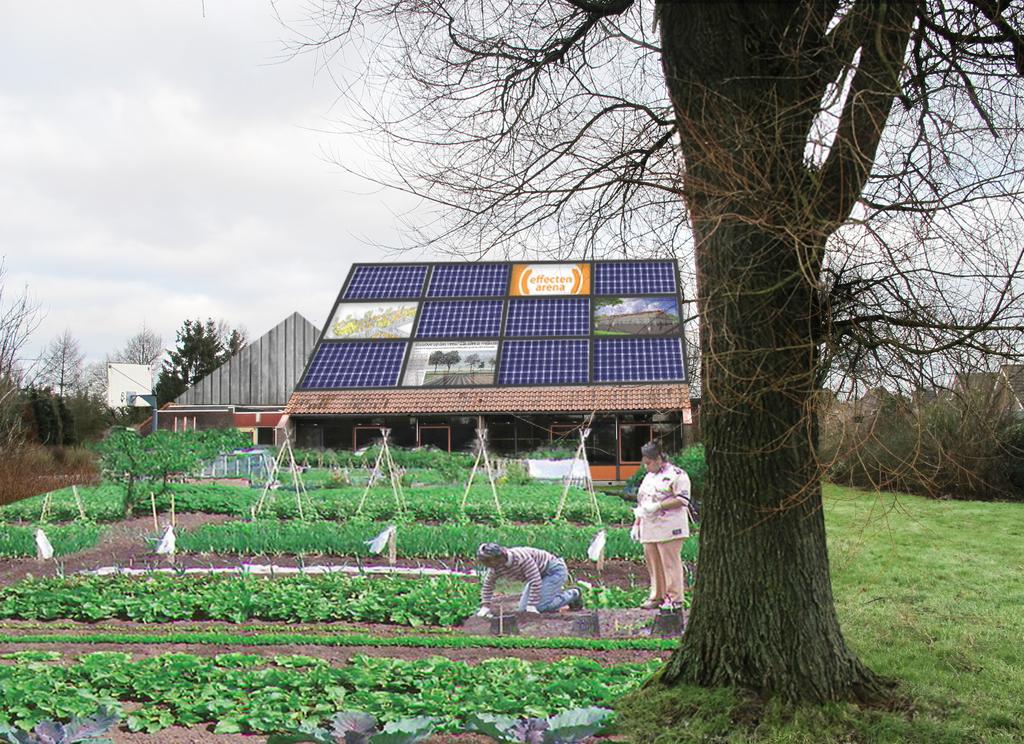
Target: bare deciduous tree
pixel 19 318
pixel 62 366
pixel 145 347
pixel 843 177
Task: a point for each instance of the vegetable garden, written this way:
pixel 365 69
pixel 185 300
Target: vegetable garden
pixel 261 621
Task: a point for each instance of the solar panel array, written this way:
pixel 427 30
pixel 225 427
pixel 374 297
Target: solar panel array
pixel 386 282
pixel 637 359
pixel 521 335
pixel 460 319
pixel 634 277
pixel 548 317
pixel 469 280
pixel 355 364
pixel 549 362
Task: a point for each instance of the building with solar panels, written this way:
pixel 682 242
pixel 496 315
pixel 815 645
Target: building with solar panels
pixel 530 351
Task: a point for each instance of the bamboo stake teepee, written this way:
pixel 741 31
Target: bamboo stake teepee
pixel 384 458
pixel 588 482
pixel 481 435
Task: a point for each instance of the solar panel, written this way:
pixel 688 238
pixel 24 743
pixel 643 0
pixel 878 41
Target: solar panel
pixel 355 364
pixel 459 319
pixel 469 280
pixel 637 359
pixel 386 282
pixel 635 277
pixel 549 317
pixel 544 362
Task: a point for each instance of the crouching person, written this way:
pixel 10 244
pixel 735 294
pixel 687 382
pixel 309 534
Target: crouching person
pixel 543 572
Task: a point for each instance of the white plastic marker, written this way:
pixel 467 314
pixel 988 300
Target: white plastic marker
pixel 380 542
pixel 166 545
pixel 43 548
pixel 596 550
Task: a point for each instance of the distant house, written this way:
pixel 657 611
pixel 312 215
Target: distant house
pixel 996 387
pixel 250 390
pixel 1013 378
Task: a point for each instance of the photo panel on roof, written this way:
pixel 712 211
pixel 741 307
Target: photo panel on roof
pixel 636 316
pixel 451 364
pixel 372 320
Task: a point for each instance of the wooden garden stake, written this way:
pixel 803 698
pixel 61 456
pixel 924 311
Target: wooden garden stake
pixel 393 546
pixel 78 500
pixel 152 502
pixel 174 521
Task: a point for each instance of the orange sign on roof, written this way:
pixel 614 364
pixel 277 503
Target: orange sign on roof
pixel 529 280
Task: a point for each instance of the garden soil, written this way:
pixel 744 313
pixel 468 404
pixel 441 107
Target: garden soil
pixel 124 545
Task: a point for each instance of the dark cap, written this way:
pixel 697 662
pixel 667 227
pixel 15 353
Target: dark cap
pixel 489 550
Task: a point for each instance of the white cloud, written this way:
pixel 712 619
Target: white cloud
pixel 159 165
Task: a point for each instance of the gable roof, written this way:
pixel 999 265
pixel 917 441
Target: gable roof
pixel 263 373
pixel 524 332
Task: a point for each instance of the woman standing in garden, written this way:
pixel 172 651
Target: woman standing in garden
pixel 662 524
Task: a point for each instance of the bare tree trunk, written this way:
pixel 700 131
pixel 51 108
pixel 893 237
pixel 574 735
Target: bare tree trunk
pixel 763 614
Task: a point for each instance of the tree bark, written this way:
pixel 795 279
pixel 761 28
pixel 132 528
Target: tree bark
pixel 763 615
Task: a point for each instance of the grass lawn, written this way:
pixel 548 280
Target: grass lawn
pixel 930 593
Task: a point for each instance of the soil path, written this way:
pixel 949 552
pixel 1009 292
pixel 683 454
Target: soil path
pixel 122 544
pixel 338 656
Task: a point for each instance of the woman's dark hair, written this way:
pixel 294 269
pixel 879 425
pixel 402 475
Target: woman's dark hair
pixel 652 450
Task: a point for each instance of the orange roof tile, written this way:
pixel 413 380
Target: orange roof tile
pixel 404 401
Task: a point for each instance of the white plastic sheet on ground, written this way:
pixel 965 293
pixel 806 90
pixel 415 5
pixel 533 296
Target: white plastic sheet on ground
pixel 557 469
pixel 44 550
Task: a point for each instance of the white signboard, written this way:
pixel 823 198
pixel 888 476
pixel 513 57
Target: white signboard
pixel 123 379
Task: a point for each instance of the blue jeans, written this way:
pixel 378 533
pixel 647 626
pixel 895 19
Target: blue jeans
pixel 552 598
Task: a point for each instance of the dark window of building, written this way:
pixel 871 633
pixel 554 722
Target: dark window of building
pixel 338 435
pixel 364 436
pixel 566 436
pixel 669 433
pixel 309 435
pixel 463 433
pixel 531 435
pixel 265 435
pixel 631 438
pixel 403 431
pixel 501 435
pixel 601 444
pixel 436 435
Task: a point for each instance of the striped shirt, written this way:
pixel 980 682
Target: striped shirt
pixel 523 564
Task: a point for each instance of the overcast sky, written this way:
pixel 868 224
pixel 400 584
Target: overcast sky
pixel 159 161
